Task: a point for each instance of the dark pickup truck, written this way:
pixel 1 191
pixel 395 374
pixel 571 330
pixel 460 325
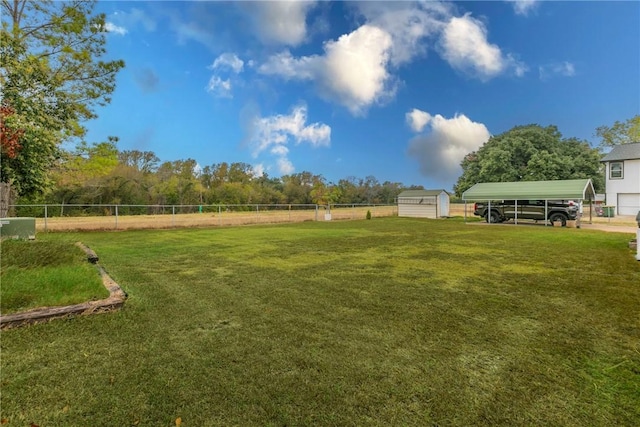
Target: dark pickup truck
pixel 528 209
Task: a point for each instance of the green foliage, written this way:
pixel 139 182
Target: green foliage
pixel 52 76
pixel 100 174
pixel 530 153
pixel 620 132
pixel 368 214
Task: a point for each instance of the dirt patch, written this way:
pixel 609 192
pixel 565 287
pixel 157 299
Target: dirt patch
pixel 221 219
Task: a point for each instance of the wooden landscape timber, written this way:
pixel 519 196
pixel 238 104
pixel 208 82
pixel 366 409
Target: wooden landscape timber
pixel 115 301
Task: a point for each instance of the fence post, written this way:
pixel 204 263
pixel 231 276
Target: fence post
pixel 117 217
pixel 316 212
pixel 257 214
pixel 219 215
pixel 173 216
pixel 45 218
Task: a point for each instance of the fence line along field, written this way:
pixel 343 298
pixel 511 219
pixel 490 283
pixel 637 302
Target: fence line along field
pixel 178 217
pixel 130 217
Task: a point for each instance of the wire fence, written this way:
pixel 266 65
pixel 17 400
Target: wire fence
pixel 82 217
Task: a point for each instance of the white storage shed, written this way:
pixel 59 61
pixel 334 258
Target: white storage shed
pixel 423 204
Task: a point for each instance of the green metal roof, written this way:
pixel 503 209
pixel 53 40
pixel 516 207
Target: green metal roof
pixel 573 189
pixel 421 193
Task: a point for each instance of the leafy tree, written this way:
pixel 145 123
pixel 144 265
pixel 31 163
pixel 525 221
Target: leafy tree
pixel 52 79
pixel 620 132
pixel 178 183
pixel 143 161
pixel 79 174
pixel 530 153
pixel 297 187
pixel 389 192
pixel 348 190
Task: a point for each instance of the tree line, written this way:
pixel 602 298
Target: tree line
pixel 101 174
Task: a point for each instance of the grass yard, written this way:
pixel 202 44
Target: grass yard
pixel 45 273
pixel 393 321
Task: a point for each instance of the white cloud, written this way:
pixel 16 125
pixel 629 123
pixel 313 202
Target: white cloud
pixel 113 28
pixel 280 22
pixel 357 70
pixel 134 17
pixel 352 71
pixel 408 24
pixel 225 62
pixel 417 119
pixel 257 170
pixel 563 69
pixel 228 61
pixel 465 47
pixel 285 65
pixel 285 167
pixel 523 7
pixel 440 151
pixel 219 87
pixel 275 133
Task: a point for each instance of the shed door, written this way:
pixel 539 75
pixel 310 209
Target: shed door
pixel 628 204
pixel 444 205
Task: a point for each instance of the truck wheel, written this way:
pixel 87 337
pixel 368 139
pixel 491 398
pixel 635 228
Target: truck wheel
pixel 495 218
pixel 558 217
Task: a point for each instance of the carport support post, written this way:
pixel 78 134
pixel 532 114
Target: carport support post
pixel 489 213
pixel 546 222
pixel 638 237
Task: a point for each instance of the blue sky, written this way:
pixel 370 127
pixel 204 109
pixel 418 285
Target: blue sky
pixel 397 90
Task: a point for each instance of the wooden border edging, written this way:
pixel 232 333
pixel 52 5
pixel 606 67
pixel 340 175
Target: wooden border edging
pixel 115 301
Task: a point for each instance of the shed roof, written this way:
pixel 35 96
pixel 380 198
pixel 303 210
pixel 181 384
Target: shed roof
pixel 623 152
pixel 575 189
pixel 421 193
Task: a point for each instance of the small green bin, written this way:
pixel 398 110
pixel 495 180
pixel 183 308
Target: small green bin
pixel 18 228
pixel 609 211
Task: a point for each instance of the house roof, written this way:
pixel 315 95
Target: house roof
pixel 421 193
pixel 573 189
pixel 623 152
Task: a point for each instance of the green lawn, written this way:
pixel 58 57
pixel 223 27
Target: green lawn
pixel 46 273
pixel 392 321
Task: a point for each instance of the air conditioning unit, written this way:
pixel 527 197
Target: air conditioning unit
pixel 18 228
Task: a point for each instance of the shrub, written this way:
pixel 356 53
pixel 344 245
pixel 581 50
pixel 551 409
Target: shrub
pixel 368 214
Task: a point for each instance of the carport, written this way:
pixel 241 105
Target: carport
pixel 577 190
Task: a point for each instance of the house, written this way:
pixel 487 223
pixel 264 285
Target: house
pixel 623 178
pixel 423 203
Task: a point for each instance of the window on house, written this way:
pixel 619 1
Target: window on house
pixel 616 170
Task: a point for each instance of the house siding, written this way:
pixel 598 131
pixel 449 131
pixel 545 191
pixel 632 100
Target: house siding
pixel 624 193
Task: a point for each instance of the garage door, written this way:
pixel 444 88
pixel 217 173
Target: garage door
pixel 628 204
